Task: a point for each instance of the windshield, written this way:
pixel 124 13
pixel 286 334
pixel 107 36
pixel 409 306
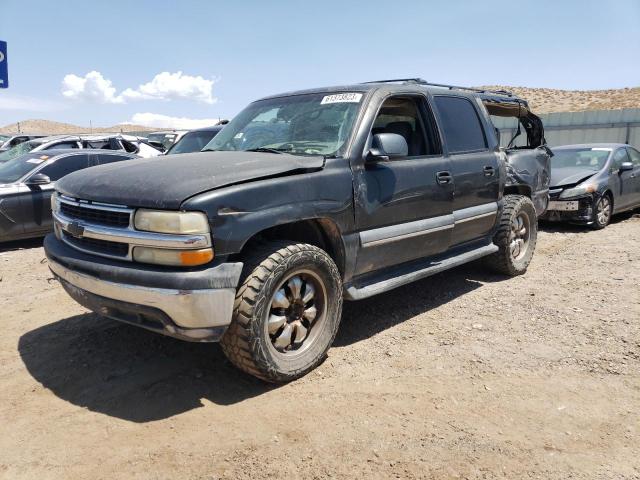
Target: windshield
pixel 16 168
pixel 192 142
pixel 165 139
pixel 18 150
pixel 311 124
pixel 587 158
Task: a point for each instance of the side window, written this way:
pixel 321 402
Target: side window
pixel 460 124
pixel 104 159
pixel 635 156
pixel 410 118
pixel 619 157
pixel 65 165
pixel 61 145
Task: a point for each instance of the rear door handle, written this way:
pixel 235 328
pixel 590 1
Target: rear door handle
pixel 444 177
pixel 489 171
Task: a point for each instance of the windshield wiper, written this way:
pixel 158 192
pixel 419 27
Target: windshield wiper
pixel 269 150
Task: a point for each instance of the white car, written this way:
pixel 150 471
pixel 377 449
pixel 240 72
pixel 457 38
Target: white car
pixel 128 143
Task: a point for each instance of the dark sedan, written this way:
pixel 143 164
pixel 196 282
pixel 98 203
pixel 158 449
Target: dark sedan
pixel 591 182
pixel 194 140
pixel 27 182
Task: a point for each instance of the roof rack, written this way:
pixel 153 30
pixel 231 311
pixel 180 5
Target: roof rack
pixel 420 81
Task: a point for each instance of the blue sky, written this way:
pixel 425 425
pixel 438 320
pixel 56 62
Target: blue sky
pixel 230 53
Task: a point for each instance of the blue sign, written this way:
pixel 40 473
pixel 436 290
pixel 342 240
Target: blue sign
pixel 4 72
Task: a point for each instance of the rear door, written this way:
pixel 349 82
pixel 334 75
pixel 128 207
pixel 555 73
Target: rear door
pixel 402 212
pixel 36 203
pixel 475 167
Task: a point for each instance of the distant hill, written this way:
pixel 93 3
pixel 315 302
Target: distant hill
pixel 58 128
pixel 548 100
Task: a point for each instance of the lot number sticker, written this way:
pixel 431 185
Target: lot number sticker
pixel 342 98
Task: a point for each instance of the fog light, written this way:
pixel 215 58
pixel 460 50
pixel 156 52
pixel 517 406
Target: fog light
pixel 180 258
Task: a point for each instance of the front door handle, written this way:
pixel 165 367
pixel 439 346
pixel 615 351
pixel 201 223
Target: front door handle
pixel 489 171
pixel 444 177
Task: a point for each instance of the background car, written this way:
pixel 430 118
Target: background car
pixel 194 140
pixel 27 182
pixel 8 142
pixel 591 182
pixel 165 139
pixel 127 143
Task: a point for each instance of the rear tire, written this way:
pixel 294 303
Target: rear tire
pixel 515 237
pixel 286 313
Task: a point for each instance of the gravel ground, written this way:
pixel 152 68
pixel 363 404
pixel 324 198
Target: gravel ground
pixel 463 375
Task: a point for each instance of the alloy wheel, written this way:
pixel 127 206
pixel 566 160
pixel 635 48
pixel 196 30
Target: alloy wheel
pixel 296 312
pixel 519 236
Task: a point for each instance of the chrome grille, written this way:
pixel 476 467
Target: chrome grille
pixel 89 214
pixel 94 245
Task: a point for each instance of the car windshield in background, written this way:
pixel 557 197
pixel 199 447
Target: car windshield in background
pixel 193 141
pixel 165 139
pixel 311 124
pixel 16 168
pixel 587 158
pixel 18 150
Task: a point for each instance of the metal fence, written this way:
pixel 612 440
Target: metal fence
pixel 566 128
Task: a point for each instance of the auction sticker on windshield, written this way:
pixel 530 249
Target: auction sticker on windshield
pixel 342 98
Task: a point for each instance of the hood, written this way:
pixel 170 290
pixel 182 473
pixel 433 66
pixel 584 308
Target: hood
pixel 570 175
pixel 165 182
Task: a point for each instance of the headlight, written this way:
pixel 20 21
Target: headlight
pixel 181 258
pixel 579 190
pixel 54 202
pixel 171 222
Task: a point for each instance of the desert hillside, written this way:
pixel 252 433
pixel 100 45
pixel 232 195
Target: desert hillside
pixel 58 128
pixel 548 100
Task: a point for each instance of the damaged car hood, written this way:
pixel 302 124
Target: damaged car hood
pixel 570 175
pixel 166 182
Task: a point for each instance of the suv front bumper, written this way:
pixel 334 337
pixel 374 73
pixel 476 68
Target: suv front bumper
pixel 194 305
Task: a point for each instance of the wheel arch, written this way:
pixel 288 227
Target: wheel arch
pixel 518 189
pixel 322 232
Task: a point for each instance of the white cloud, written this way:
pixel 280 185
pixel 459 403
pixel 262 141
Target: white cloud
pixel 164 121
pixel 93 86
pixel 167 86
pixel 164 86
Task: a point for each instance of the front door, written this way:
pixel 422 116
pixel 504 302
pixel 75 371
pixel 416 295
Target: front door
pixel 36 202
pixel 623 181
pixel 403 206
pixel 634 156
pixel 475 168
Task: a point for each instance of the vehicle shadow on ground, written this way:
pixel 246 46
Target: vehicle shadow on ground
pixel 21 244
pixel 136 375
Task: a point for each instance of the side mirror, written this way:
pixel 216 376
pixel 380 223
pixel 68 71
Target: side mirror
pixel 386 146
pixel 624 166
pixel 38 179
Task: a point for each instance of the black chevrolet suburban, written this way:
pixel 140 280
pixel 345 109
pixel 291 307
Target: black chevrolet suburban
pixel 303 200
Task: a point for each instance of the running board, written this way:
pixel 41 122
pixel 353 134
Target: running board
pixel 415 272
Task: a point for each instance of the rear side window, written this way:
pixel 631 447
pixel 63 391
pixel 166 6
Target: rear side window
pixel 103 159
pixel 65 165
pixel 62 145
pixel 460 124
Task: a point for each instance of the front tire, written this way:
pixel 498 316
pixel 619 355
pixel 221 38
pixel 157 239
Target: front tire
pixel 602 212
pixel 515 237
pixel 286 313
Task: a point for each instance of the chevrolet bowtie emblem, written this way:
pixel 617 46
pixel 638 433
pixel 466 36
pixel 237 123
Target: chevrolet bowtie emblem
pixel 75 229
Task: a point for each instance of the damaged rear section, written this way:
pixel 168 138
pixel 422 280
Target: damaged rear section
pixel 528 162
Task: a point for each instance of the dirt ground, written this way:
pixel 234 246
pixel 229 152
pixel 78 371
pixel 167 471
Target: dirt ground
pixel 462 375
